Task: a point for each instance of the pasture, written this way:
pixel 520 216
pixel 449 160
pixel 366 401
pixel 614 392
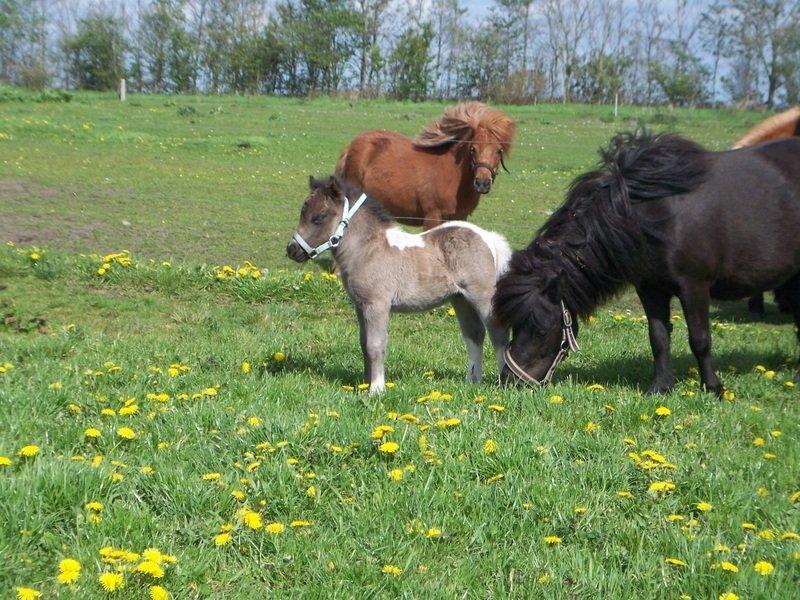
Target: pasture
pixel 216 415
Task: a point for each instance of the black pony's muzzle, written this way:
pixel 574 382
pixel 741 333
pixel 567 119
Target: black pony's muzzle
pixel 295 252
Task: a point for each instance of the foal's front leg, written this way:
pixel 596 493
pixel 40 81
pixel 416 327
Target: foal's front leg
pixel 695 299
pixel 374 325
pixel 656 307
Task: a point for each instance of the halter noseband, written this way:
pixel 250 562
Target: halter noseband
pixel 568 344
pixel 493 170
pixel 336 238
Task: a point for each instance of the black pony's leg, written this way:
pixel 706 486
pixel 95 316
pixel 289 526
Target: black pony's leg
pixel 656 307
pixel 694 296
pixel 788 298
pixel 756 305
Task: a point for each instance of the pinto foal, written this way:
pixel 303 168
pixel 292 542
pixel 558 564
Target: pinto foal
pixel 386 269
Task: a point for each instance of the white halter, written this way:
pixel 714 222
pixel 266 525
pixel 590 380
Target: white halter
pixel 336 238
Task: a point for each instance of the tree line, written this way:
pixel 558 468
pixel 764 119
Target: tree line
pixel 744 52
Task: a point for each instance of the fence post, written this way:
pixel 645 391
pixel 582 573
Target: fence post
pixel 122 90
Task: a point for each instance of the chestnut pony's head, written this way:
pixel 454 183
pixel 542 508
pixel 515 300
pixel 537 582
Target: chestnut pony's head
pixel 484 134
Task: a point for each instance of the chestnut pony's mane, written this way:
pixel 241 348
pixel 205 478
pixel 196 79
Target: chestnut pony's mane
pixel 462 121
pixel 785 124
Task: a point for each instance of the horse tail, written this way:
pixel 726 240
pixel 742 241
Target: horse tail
pixel 502 252
pixel 783 125
pixel 341 164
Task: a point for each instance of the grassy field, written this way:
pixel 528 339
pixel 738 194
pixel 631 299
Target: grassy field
pixel 220 420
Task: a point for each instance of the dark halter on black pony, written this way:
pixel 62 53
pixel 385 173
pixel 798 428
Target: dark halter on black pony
pixel 568 344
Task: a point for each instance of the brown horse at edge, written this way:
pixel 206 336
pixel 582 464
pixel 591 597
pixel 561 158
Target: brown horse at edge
pixel 440 174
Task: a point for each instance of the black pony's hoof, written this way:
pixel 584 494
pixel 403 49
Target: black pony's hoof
pixel 661 388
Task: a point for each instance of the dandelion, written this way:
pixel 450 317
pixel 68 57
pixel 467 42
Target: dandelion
pixel 279 356
pixel 396 474
pixel 252 520
pixel 729 395
pixel 126 433
pixel 552 540
pixel 380 431
pixel 543 579
pixel 275 528
pixel 497 408
pixel 298 523
pixel 5 461
pixel 92 432
pixel 389 447
pixel 111 582
pixel 726 566
pixel 311 491
pixel 762 567
pixel 26 593
pixel 556 399
pixel 661 486
pixel 704 506
pixel 391 570
pixel 151 568
pixel 254 421
pixel 591 427
pixel 748 526
pixel 595 387
pixel 625 494
pixel 490 447
pixel 663 411
pixel 158 593
pixel 675 562
pixel 580 510
pixel 728 596
pixel 69 570
pixel 766 534
pixel 211 476
pixel 29 451
pixel 433 533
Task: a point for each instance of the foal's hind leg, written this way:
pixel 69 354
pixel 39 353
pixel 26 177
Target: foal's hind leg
pixel 474 332
pixel 695 298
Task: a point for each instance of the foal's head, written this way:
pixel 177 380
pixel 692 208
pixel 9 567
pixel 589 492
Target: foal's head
pixel 319 216
pixel 530 301
pixel 481 134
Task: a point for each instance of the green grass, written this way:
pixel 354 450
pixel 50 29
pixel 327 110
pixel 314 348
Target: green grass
pixel 195 199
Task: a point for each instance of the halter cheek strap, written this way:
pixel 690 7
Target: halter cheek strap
pixel 336 238
pixel 568 344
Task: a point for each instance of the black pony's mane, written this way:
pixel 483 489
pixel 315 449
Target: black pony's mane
pixel 589 247
pixel 352 192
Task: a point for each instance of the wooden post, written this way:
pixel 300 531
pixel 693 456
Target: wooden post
pixel 616 104
pixel 122 90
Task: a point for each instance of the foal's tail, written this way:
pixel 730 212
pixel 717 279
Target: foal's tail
pixel 501 250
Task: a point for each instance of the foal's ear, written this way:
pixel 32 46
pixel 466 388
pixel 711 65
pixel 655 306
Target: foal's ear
pixel 332 188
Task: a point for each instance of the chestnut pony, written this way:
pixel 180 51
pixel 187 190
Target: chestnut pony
pixel 441 173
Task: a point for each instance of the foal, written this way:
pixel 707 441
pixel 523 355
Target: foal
pixel 385 269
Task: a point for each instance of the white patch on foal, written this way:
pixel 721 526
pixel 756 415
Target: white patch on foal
pixel 401 240
pixel 498 245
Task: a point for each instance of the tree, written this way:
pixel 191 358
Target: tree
pixel 96 52
pixel 410 62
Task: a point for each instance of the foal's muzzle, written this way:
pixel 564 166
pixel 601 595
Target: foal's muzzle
pixel 482 185
pixel 295 252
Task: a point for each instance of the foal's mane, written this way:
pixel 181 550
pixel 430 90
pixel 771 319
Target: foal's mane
pixel 462 121
pixel 589 248
pixel 333 186
pixel 787 121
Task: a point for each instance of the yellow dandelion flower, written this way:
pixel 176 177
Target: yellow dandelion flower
pixel 625 494
pixel 766 534
pixel 663 411
pixel 591 427
pixel 675 562
pixel 299 523
pixel 112 582
pixel 158 593
pixel 543 579
pixel 728 596
pixel 275 528
pixel 69 570
pixel 279 356
pixel 748 526
pixel 490 446
pixel 389 447
pixel 769 455
pixel 126 433
pixel 311 491
pixel 762 567
pixel 595 387
pixel 29 451
pixel 222 539
pixel 245 367
pixel 433 533
pixel 580 510
pixel 396 474
pixel 252 519
pixel 26 593
pixel 729 395
pixel 391 570
pixel 790 535
pixel 552 540
pixel 704 506
pixel 151 568
pixel 726 566
pixel 497 408
pixel 380 431
pixel 556 399
pixel 211 476
pixel 758 442
pixel 5 461
pixel 661 486
pixel 92 432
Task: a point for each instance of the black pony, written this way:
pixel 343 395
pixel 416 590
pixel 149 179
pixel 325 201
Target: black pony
pixel 670 218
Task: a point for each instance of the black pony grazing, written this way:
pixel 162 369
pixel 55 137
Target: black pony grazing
pixel 670 218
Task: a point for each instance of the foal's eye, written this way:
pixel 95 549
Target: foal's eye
pixel 319 219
